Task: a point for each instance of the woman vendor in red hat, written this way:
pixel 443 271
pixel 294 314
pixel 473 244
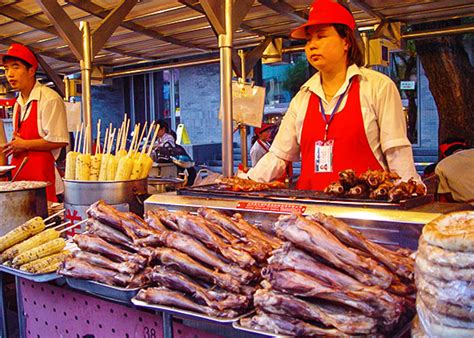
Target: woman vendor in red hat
pixel 344 117
pixel 39 120
pixel 260 142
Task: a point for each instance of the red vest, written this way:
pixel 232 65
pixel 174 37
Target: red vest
pixel 40 165
pixel 351 149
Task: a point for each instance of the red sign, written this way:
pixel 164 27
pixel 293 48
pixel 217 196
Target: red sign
pixel 275 207
pixel 73 218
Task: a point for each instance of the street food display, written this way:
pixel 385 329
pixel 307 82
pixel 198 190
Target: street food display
pixel 34 247
pixel 374 184
pixel 104 165
pixel 328 279
pixel 444 275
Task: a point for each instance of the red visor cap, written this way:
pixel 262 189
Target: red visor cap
pixel 324 12
pixel 21 52
pixel 265 126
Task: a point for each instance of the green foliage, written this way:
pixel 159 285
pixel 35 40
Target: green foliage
pixel 296 75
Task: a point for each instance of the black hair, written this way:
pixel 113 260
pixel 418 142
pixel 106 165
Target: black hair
pixel 12 58
pixel 163 124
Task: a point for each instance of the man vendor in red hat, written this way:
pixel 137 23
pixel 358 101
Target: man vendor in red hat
pixel 39 120
pixel 260 142
pixel 344 117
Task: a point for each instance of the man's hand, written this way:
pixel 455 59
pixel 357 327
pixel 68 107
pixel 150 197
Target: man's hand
pixel 15 146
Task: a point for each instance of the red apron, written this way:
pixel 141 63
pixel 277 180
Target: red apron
pixel 40 165
pixel 351 149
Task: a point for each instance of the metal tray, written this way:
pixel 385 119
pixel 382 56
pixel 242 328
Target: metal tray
pixel 34 277
pixel 109 292
pixel 185 313
pixel 398 332
pixel 307 196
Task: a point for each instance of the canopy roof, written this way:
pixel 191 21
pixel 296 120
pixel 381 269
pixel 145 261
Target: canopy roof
pixel 164 30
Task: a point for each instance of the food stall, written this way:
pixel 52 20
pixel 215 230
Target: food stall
pixel 64 305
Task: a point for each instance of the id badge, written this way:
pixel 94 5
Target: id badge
pixel 323 156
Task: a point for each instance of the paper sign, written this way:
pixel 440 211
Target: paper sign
pixel 182 136
pixel 73 111
pixel 247 104
pixel 407 85
pixel 275 207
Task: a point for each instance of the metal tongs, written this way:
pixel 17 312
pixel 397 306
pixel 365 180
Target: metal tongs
pixel 25 159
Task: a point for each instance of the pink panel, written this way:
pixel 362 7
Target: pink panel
pixel 53 311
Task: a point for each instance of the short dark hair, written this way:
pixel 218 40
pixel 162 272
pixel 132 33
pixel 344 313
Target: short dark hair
pixel 354 55
pixel 12 58
pixel 163 124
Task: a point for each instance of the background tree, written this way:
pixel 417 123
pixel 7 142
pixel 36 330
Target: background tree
pixel 451 81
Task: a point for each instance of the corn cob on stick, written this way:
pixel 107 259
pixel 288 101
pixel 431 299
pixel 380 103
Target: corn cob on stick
pixel 147 161
pixel 71 159
pixel 95 167
pixel 15 236
pixel 139 161
pixel 124 168
pixel 43 250
pixel 30 243
pixel 83 167
pixel 112 165
pixel 45 264
pixel 103 167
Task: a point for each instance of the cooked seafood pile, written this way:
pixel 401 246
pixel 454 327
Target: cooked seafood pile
pixel 328 279
pixel 374 184
pixel 444 274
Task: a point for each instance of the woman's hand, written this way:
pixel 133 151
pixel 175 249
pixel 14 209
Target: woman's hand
pixel 15 146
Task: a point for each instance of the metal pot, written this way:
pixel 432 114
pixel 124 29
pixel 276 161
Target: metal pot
pixel 122 195
pixel 18 206
pixel 159 185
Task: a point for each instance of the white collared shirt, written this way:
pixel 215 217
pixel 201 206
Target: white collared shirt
pixel 384 123
pixel 52 120
pixel 257 151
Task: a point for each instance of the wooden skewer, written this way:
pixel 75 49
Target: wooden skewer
pixel 53 215
pixel 111 140
pixel 61 225
pixel 80 138
pixel 135 135
pixel 157 128
pixel 124 136
pixel 72 226
pixel 97 143
pixel 141 135
pixel 147 137
pixel 106 140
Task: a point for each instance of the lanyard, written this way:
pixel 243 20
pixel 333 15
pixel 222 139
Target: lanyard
pixel 19 120
pixel 328 121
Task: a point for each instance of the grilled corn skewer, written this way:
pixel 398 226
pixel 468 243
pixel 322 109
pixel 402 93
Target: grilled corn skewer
pixel 146 166
pixel 71 158
pixel 45 264
pixel 30 243
pixel 124 169
pixel 83 167
pixel 137 168
pixel 43 250
pixel 15 236
pixel 112 164
pixel 103 167
pixel 95 167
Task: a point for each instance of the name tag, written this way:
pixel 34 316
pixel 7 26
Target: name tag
pixel 323 156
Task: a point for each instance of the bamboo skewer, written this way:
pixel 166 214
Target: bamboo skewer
pixel 150 148
pixel 53 215
pixel 72 226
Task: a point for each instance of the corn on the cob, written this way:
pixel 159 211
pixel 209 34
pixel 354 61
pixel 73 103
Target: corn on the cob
pixel 43 265
pixel 43 250
pixel 95 167
pixel 30 243
pixel 103 167
pixel 121 153
pixel 147 164
pixel 111 168
pixel 30 228
pixel 71 158
pixel 137 168
pixel 124 169
pixel 83 167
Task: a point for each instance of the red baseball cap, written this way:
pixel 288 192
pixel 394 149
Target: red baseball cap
pixel 324 12
pixel 23 53
pixel 265 126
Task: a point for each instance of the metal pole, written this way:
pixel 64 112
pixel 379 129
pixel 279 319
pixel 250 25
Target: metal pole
pixel 86 69
pixel 225 46
pixel 365 39
pixel 242 127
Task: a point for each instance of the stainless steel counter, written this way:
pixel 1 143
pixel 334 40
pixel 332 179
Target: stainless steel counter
pixel 386 226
